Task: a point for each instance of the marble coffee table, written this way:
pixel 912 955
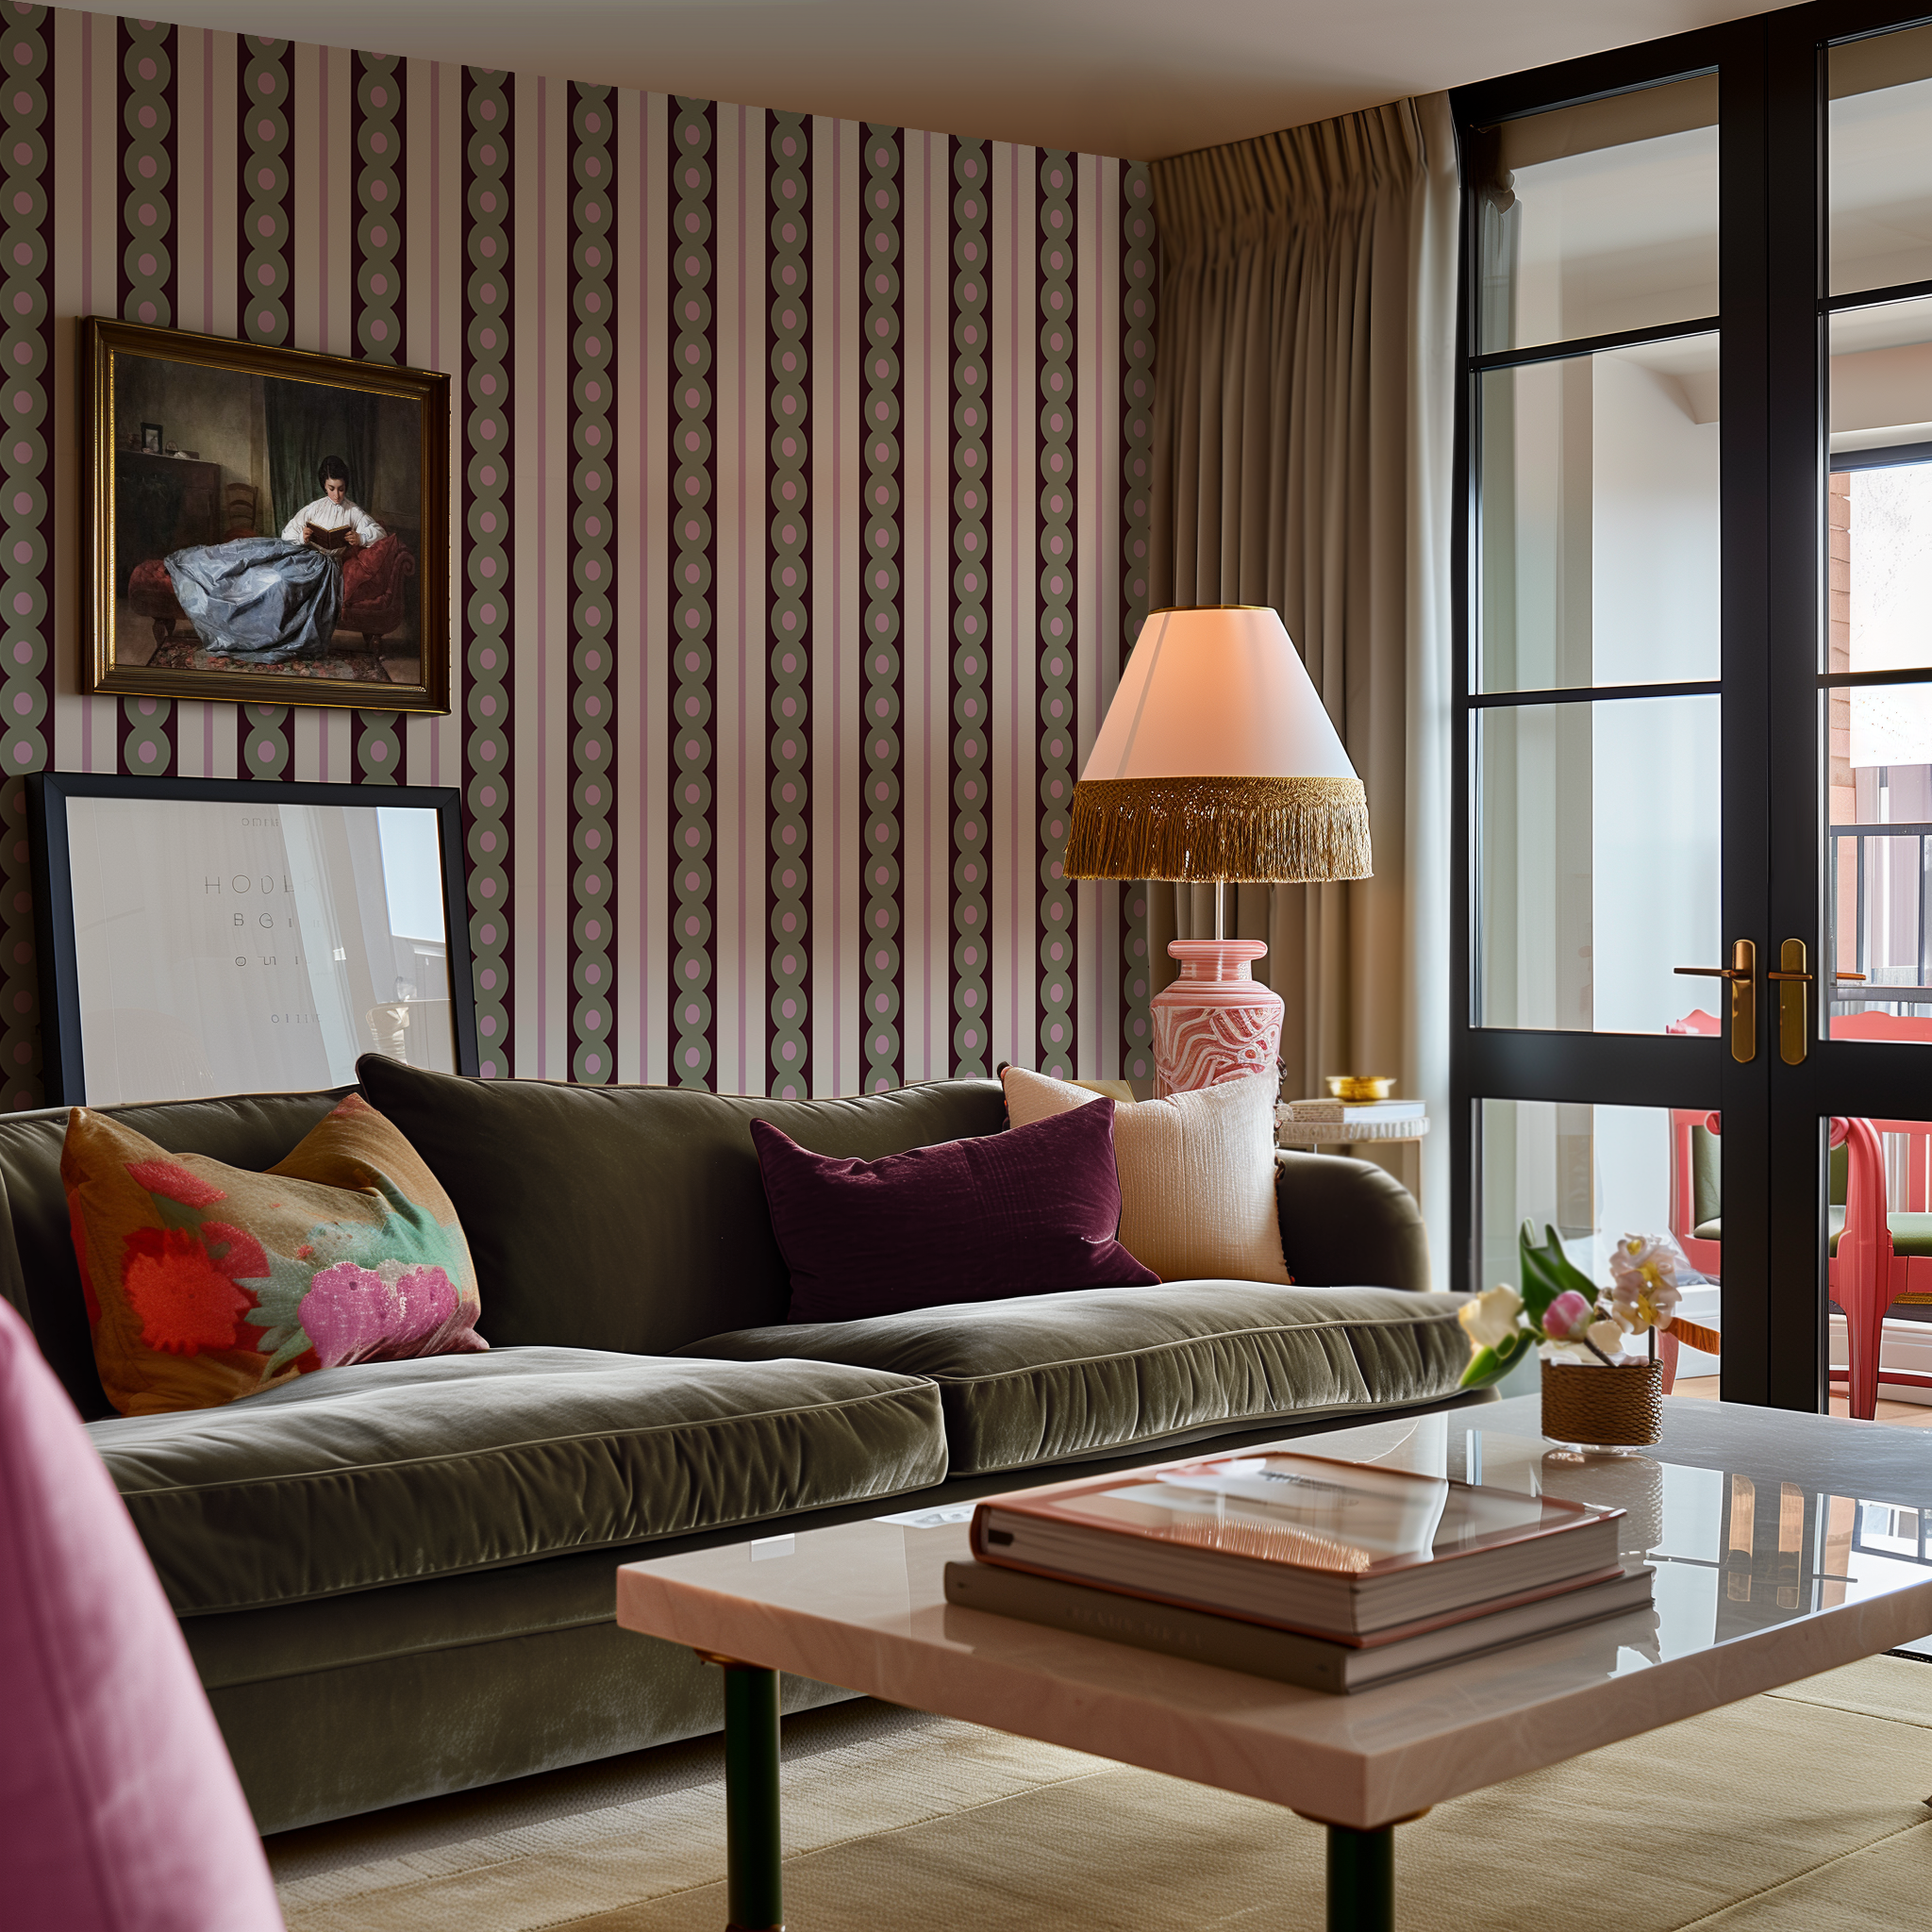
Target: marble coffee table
pixel 1784 1545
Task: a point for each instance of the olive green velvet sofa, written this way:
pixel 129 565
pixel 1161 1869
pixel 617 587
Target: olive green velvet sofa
pixel 396 1578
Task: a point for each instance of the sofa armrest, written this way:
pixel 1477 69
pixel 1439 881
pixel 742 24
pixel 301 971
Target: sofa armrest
pixel 1348 1223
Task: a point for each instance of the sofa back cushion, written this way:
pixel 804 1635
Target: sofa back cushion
pixel 395 1472
pixel 634 1218
pixel 38 1273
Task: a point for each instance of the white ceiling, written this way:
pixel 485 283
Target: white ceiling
pixel 1133 77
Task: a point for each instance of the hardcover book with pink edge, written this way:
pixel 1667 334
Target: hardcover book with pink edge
pixel 1344 1550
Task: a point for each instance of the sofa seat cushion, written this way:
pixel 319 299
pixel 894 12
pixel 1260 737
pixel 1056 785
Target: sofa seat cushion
pixel 1044 1379
pixel 382 1473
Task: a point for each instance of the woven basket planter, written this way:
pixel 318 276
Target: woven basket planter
pixel 1622 1406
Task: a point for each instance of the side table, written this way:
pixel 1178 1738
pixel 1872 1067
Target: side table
pixel 1313 1135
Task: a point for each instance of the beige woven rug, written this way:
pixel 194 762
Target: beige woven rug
pixel 1801 1812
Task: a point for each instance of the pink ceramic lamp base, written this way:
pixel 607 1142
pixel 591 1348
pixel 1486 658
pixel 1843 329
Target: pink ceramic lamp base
pixel 1214 1022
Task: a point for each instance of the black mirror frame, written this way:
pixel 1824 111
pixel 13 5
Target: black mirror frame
pixel 63 1062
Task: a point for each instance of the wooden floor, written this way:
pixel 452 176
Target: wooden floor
pixel 1909 1415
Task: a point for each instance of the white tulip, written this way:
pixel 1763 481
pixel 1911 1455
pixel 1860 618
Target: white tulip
pixel 1490 1320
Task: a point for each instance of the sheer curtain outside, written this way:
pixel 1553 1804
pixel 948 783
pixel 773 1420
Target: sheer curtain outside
pixel 1304 400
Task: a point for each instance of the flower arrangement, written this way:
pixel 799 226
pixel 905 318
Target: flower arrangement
pixel 1566 1317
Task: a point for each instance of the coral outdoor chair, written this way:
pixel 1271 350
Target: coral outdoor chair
pixel 1880 1255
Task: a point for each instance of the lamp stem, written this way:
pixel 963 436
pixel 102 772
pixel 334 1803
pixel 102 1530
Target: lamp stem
pixel 1220 922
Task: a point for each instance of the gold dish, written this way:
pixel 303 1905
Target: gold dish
pixel 1360 1086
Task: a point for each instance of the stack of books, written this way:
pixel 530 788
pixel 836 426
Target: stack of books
pixel 1364 1119
pixel 1333 1575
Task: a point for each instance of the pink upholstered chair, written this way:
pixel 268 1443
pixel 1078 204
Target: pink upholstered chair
pixel 119 1808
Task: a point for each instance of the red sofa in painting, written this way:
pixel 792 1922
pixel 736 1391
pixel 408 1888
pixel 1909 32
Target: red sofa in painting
pixel 373 582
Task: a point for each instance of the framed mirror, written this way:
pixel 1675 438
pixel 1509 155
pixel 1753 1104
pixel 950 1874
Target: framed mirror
pixel 205 936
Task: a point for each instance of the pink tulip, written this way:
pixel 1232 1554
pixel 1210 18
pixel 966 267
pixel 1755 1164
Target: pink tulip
pixel 1567 1317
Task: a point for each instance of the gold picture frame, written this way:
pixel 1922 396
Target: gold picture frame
pixel 252 437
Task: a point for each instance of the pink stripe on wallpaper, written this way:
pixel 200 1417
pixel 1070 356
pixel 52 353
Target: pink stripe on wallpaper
pixel 551 232
pixel 631 705
pixel 920 644
pixel 654 544
pixel 739 949
pixel 749 538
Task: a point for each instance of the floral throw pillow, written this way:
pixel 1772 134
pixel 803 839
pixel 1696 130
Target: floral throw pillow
pixel 204 1282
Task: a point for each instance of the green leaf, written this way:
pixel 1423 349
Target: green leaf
pixel 1547 1273
pixel 177 1213
pixel 1492 1364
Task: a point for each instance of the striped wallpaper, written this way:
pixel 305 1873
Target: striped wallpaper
pixel 799 529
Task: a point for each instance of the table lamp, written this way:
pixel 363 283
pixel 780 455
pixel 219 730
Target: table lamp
pixel 1216 762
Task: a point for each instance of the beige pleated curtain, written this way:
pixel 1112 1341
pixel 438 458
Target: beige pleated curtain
pixel 1303 429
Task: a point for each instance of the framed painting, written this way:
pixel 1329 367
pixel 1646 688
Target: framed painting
pixel 204 936
pixel 261 524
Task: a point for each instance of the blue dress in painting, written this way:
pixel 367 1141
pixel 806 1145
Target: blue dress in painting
pixel 258 600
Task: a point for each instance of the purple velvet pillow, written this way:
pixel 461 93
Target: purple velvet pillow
pixel 1034 1210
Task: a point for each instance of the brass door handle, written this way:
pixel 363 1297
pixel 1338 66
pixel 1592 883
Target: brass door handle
pixel 1742 975
pixel 1793 1016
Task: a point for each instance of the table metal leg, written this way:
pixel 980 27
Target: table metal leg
pixel 754 1853
pixel 1361 1879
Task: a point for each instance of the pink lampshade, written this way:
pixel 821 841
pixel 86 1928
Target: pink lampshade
pixel 1217 760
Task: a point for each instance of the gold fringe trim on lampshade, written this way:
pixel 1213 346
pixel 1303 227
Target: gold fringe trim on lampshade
pixel 1287 831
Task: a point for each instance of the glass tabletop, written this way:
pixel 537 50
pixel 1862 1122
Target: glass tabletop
pixel 1750 1518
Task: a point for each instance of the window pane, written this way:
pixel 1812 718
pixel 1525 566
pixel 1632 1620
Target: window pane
pixel 1879 860
pixel 1596 1174
pixel 1880 616
pixel 1597 864
pixel 1881 385
pixel 1599 558
pixel 1599 218
pixel 1879 132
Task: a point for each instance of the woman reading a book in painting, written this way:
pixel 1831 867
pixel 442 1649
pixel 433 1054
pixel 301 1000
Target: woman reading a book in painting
pixel 265 600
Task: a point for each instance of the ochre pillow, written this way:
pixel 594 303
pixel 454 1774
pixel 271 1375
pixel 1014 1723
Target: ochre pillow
pixel 1027 1212
pixel 204 1282
pixel 1197 1173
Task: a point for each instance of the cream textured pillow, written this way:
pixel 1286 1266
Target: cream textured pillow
pixel 1197 1173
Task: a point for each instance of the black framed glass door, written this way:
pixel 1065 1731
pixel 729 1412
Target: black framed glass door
pixel 1688 739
